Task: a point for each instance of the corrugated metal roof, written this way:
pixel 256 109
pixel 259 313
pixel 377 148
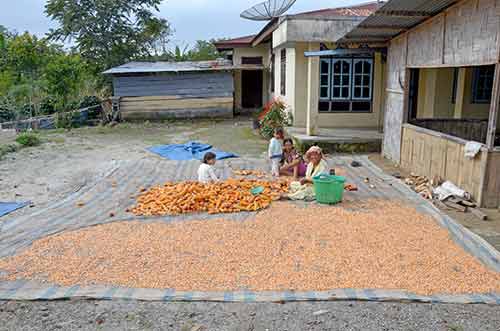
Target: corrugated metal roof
pixel 245 41
pixel 164 66
pixel 393 18
pixel 363 10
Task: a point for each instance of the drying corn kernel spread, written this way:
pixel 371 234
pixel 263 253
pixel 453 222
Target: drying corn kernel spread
pixel 229 196
pixel 369 244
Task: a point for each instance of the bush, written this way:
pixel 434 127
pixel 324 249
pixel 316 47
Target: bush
pixel 89 101
pixel 272 117
pixel 71 106
pixel 64 120
pixel 69 120
pixel 48 106
pixel 28 139
pixel 27 110
pixel 7 114
pixel 6 149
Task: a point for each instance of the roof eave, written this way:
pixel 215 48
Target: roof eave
pixel 266 32
pixel 387 23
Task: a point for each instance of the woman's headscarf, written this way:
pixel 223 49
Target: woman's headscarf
pixel 314 149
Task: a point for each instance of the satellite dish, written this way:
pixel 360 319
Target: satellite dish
pixel 267 10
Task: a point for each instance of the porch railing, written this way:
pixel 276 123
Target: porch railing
pixel 467 129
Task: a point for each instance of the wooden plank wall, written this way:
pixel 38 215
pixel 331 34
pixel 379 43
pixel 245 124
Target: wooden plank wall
pixel 189 85
pixel 464 34
pixel 472 33
pixel 491 192
pixel 467 33
pixel 171 107
pixel 425 43
pixel 431 155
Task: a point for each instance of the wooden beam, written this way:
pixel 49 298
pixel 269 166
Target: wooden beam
pixel 346 51
pixel 495 101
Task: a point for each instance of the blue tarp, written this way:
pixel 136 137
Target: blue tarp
pixel 9 207
pixel 190 151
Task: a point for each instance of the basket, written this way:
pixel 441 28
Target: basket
pixel 329 189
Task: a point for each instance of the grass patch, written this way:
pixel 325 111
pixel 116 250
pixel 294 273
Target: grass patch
pixel 8 148
pixel 28 139
pixel 57 140
pixel 53 131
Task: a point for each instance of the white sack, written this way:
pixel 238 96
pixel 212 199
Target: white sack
pixel 471 149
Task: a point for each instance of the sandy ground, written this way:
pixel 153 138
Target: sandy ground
pixel 68 160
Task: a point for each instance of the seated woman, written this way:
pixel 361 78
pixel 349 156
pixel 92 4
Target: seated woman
pixel 293 164
pixel 303 190
pixel 316 166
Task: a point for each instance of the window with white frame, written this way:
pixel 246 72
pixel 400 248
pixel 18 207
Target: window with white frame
pixel 324 79
pixel 346 85
pixel 341 75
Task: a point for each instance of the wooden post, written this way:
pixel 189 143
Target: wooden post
pixel 495 101
pixel 460 93
pixel 312 95
pixel 406 108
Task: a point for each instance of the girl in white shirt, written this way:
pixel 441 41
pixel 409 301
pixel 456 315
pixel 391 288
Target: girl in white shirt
pixel 206 171
pixel 275 151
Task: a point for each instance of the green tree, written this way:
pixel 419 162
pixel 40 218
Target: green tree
pixel 26 55
pixel 178 54
pixel 204 50
pixel 108 32
pixel 63 76
pixel 38 77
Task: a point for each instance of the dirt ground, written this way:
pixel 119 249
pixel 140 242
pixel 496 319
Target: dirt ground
pixel 69 159
pixel 345 316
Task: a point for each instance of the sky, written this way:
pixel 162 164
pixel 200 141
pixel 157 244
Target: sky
pixel 191 19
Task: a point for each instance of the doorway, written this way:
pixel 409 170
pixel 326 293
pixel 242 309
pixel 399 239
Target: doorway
pixel 413 93
pixel 251 86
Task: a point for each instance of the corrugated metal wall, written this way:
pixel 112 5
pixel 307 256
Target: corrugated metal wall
pixel 175 95
pixel 195 84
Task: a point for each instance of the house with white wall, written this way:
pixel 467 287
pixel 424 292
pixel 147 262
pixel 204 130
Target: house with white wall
pixel 343 89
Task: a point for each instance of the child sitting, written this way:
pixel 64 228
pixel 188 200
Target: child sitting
pixel 275 151
pixel 293 164
pixel 206 171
